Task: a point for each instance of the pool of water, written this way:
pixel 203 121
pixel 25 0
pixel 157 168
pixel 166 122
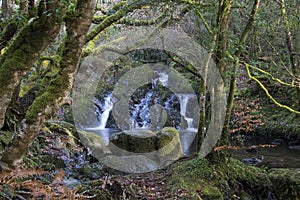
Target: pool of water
pixel 276 156
pixel 272 156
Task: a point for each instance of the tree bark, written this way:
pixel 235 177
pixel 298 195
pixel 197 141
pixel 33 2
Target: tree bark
pixel 26 48
pixel 7 9
pixel 242 42
pixel 59 89
pixel 225 8
pixel 23 6
pixel 291 47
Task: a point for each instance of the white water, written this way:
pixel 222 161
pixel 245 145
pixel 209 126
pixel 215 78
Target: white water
pixel 184 99
pixel 107 107
pixel 163 78
pixel 140 113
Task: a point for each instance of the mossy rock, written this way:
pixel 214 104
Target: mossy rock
pixel 53 161
pixel 5 138
pixel 286 183
pixel 161 146
pixel 130 164
pixel 136 141
pixel 169 147
pixel 90 171
pixel 217 179
pixel 94 143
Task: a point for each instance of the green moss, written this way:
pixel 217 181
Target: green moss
pixel 165 136
pixel 135 141
pixel 212 193
pixel 5 138
pixel 233 178
pixel 54 91
pixel 286 182
pixel 291 131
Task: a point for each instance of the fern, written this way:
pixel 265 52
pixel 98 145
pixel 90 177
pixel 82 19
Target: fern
pixel 24 183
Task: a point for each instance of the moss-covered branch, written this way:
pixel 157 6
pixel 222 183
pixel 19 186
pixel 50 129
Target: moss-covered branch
pixel 133 22
pixel 26 49
pixel 267 92
pixel 124 9
pixel 58 91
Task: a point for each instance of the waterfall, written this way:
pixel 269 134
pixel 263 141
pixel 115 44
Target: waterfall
pixel 163 78
pixel 184 100
pixel 140 115
pixel 106 107
pixel 176 106
pixel 141 112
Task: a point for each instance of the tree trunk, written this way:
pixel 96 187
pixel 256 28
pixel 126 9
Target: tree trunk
pixel 59 89
pixel 225 7
pixel 291 47
pixel 242 42
pixel 7 9
pixel 23 6
pixel 26 48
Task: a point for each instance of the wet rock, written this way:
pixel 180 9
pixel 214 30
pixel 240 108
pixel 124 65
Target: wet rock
pixel 278 142
pixel 94 143
pixel 252 150
pixel 90 171
pixel 71 183
pixel 130 164
pixel 254 161
pixel 294 145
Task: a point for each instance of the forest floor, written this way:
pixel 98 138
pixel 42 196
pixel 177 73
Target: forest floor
pixel 57 168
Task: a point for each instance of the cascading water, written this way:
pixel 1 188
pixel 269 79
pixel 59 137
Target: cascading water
pixel 179 113
pixel 141 113
pixel 105 108
pixel 140 110
pixel 184 100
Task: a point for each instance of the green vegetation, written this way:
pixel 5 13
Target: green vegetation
pixel 255 46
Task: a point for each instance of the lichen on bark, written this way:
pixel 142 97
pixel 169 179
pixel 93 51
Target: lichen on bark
pixel 58 91
pixel 26 49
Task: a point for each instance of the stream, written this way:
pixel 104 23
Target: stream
pixel 274 156
pixel 180 114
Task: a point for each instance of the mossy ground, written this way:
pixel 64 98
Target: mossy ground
pixel 188 178
pixel 206 179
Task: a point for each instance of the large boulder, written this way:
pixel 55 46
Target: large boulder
pixel 94 143
pixel 135 141
pixel 169 145
pixel 131 164
pixel 163 146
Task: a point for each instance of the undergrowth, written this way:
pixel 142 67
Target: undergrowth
pixel 35 184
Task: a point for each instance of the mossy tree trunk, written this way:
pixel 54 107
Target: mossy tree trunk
pixel 26 49
pixel 237 55
pixel 294 61
pixel 7 8
pixel 59 89
pixel 223 19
